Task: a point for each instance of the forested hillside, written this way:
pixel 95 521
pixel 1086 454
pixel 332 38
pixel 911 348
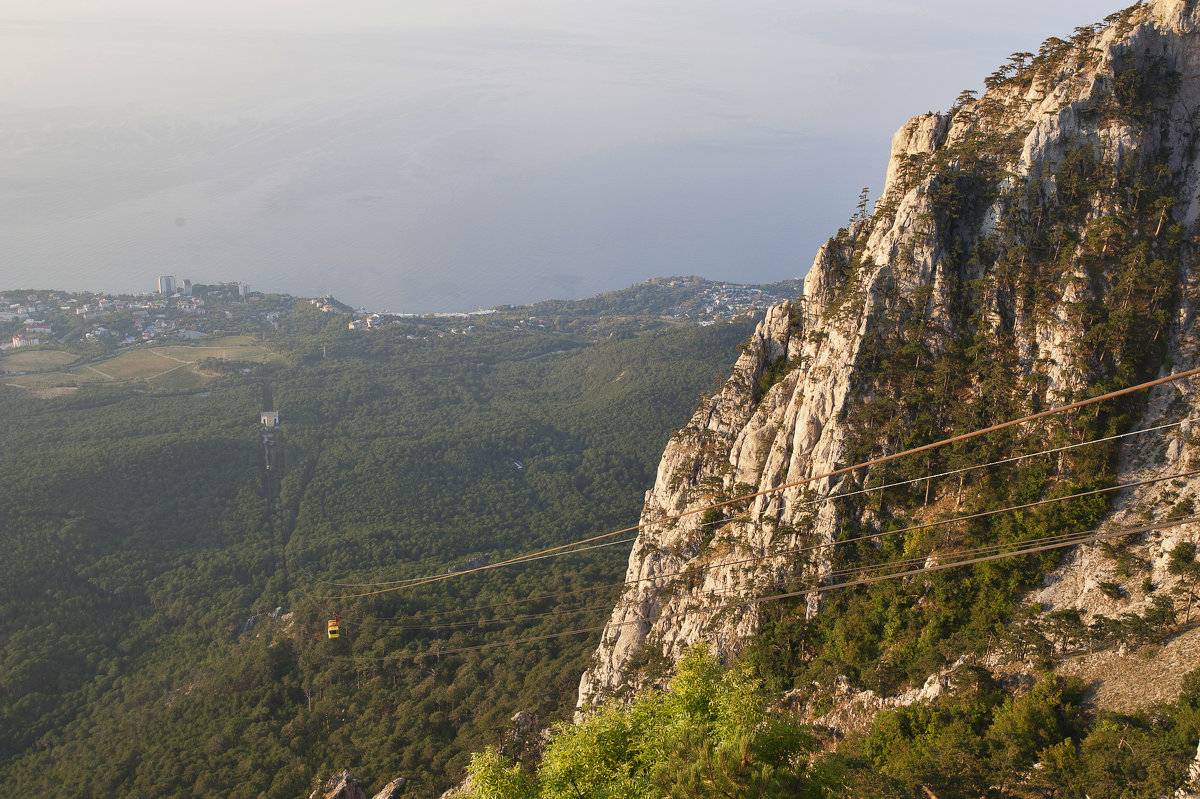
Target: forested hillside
pixel 149 545
pixel 951 605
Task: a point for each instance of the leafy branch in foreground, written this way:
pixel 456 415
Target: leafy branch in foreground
pixel 710 734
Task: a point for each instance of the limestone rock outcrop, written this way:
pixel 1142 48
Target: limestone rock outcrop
pixel 392 790
pixel 339 786
pixel 345 786
pixel 1010 217
pixel 1191 790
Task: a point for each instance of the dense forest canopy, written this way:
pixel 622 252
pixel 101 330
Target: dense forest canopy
pixel 149 546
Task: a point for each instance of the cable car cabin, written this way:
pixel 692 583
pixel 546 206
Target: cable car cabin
pixel 333 627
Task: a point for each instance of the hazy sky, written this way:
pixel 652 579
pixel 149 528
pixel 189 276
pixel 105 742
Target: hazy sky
pixel 420 156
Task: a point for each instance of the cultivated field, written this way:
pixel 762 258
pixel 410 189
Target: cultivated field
pixel 172 367
pixel 39 360
pixel 50 384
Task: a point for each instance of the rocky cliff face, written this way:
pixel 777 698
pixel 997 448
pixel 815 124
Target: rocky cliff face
pixel 1031 245
pixel 345 786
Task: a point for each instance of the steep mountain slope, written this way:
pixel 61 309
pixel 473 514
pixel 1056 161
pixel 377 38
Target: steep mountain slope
pixel 1030 247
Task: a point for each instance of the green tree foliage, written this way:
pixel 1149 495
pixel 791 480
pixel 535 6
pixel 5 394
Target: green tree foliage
pixel 709 734
pixel 144 531
pixel 983 741
pixel 1183 563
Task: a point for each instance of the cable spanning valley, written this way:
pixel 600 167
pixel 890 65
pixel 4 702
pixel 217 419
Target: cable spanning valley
pixel 849 578
pixel 777 589
pixel 826 499
pixel 782 487
pixel 692 571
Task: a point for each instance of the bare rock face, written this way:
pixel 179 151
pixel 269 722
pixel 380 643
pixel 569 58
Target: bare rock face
pixel 1191 790
pixel 392 790
pixel 900 275
pixel 346 786
pixel 853 711
pixel 1125 682
pixel 465 788
pixel 339 786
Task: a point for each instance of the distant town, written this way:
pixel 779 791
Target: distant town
pixel 679 299
pixel 180 309
pixel 177 309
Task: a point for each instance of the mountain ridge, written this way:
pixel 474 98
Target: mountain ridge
pixel 1031 246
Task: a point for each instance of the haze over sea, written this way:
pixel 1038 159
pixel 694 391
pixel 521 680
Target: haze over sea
pixel 437 157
